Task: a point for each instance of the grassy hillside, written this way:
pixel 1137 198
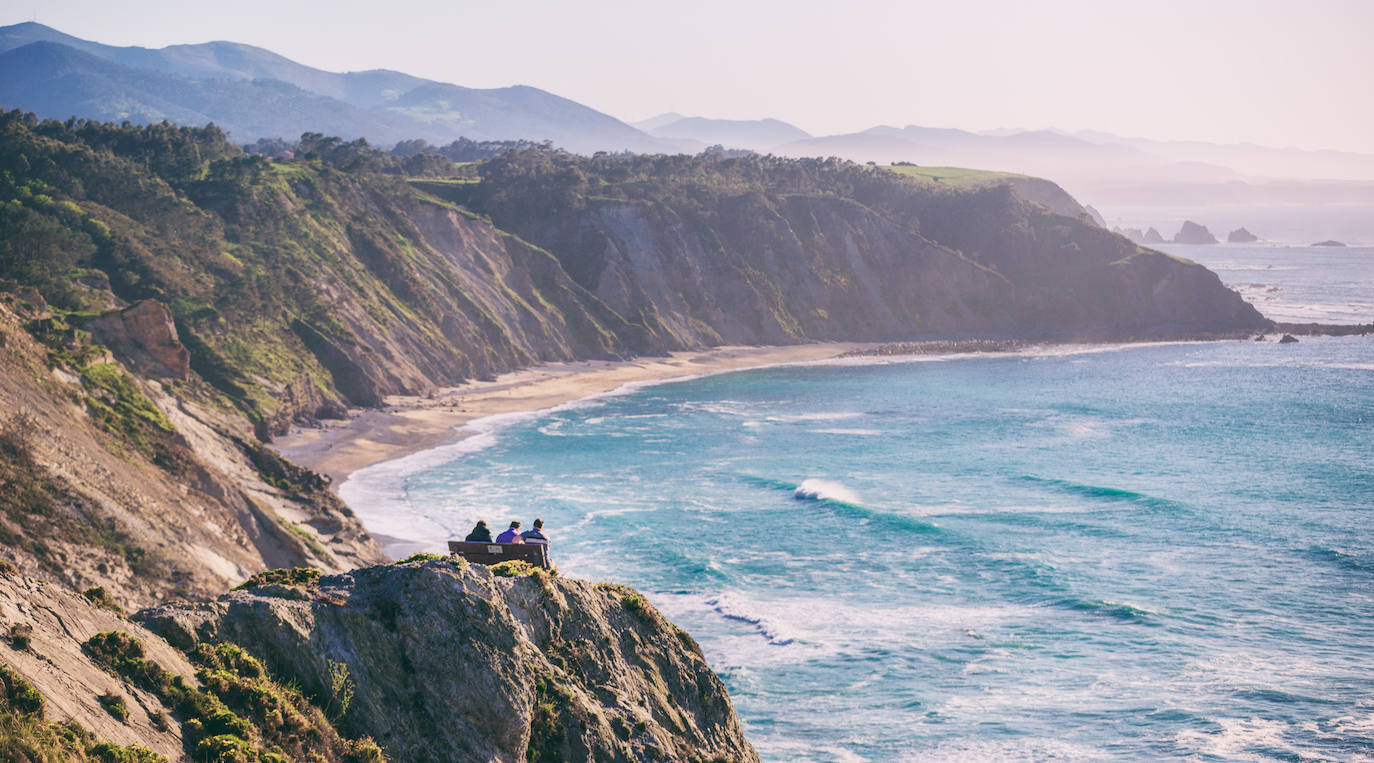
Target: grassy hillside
pixel 956 176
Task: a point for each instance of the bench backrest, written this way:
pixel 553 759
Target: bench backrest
pixel 493 553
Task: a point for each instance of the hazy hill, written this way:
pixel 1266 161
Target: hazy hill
pixel 256 93
pixel 761 135
pixel 1043 153
pixel 58 81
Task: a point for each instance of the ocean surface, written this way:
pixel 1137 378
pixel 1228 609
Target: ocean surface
pixel 1138 552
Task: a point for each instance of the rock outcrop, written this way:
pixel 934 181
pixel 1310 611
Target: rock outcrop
pixel 1153 236
pixel 1192 233
pixel 1241 236
pixel 146 336
pixel 450 662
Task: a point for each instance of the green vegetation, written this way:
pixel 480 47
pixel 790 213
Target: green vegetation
pixel 25 736
pixel 98 596
pixel 300 577
pixel 115 705
pixel 242 712
pixel 19 695
pixel 20 636
pixel 552 701
pixel 954 176
pixel 514 568
pixel 422 556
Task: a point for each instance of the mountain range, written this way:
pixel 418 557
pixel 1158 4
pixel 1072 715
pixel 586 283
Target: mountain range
pixel 254 93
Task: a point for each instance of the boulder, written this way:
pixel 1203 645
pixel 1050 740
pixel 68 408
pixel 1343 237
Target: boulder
pixel 1288 339
pixel 1192 233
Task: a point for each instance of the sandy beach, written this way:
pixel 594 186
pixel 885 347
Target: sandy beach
pixel 409 424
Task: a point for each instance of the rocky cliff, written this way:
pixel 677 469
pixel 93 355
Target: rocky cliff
pixel 450 662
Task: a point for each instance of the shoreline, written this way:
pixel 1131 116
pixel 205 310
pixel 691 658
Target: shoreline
pixel 409 424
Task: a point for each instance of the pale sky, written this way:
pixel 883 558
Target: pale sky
pixel 1297 73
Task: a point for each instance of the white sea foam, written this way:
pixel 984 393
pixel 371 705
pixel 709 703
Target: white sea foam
pixel 850 432
pixel 813 489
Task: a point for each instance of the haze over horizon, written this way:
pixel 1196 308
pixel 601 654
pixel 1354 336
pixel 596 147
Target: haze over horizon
pixel 1228 72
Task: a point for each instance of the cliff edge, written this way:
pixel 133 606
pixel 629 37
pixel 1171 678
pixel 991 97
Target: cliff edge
pixel 448 661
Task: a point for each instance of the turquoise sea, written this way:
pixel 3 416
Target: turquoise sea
pixel 1128 552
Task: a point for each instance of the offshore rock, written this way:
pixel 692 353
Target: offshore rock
pixel 1192 233
pixel 1153 236
pixel 450 662
pixel 1241 236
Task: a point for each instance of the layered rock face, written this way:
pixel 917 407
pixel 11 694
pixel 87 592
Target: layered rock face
pixel 449 662
pixel 889 260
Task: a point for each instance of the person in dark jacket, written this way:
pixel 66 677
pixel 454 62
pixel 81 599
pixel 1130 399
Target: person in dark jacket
pixel 536 534
pixel 480 533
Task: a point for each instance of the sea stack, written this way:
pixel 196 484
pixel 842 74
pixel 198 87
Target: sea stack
pixel 1153 236
pixel 1241 236
pixel 1192 233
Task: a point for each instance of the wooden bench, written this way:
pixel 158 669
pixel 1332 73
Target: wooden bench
pixel 494 553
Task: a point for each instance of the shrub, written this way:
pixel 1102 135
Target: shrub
pixel 636 603
pixel 98 596
pixel 114 705
pixel 108 752
pixel 514 568
pixel 20 694
pixel 422 557
pixel 21 636
pixel 300 577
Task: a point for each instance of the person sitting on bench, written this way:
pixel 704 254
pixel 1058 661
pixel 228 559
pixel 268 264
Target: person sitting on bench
pixel 480 533
pixel 536 534
pixel 511 534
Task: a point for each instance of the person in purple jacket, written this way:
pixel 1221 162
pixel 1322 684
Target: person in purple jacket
pixel 511 534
